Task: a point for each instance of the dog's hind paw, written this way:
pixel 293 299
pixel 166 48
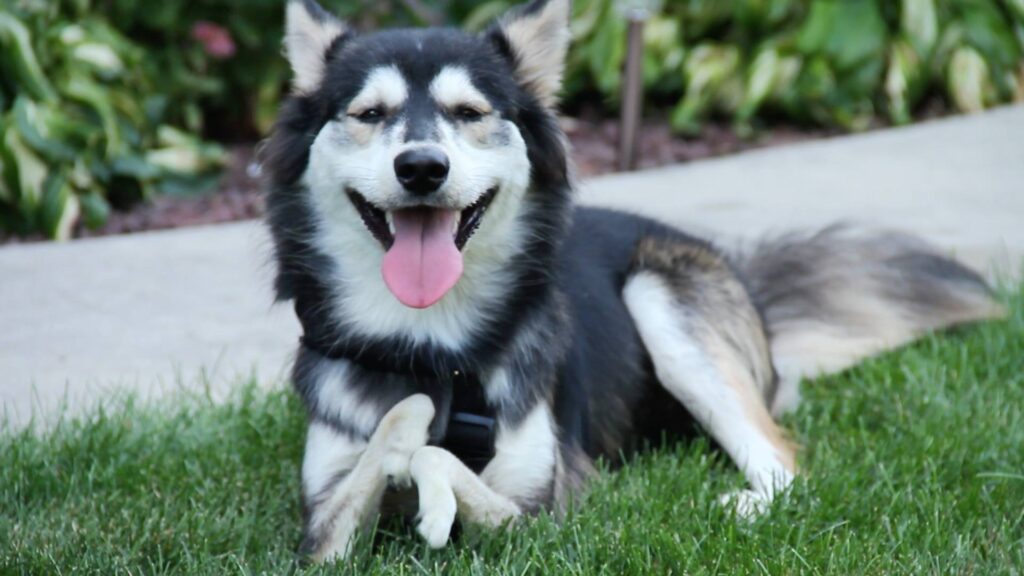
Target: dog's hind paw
pixel 748 504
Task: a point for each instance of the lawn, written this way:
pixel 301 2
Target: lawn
pixel 914 464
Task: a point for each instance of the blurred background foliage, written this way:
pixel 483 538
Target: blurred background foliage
pixel 104 103
pixel 839 63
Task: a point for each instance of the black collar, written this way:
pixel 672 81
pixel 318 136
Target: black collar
pixel 470 430
pixel 470 433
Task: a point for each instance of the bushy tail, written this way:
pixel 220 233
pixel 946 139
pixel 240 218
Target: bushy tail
pixel 837 296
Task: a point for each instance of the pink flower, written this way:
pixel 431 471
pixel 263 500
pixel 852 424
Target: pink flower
pixel 216 40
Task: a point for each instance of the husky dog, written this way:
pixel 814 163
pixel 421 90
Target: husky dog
pixel 470 333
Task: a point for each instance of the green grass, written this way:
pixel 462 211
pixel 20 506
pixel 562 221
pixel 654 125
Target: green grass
pixel 914 465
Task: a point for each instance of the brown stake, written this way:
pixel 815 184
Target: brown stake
pixel 632 93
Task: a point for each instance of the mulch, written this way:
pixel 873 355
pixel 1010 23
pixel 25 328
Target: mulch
pixel 595 143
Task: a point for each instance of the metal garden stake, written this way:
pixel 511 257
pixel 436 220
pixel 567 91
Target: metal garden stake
pixel 636 14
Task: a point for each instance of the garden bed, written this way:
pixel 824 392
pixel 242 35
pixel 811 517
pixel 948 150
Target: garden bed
pixel 133 103
pixel 594 140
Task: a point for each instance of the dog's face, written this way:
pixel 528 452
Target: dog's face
pixel 418 170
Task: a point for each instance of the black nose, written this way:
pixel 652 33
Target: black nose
pixel 421 170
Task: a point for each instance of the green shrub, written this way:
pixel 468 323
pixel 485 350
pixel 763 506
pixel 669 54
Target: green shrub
pixel 833 63
pixel 97 96
pixel 82 124
pixel 822 62
pixel 826 62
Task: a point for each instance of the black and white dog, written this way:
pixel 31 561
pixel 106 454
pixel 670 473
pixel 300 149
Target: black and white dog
pixel 468 331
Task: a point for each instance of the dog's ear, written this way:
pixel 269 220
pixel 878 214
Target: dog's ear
pixel 536 38
pixel 309 33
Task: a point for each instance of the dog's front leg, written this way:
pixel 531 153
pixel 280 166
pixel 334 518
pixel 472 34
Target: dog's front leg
pixel 357 473
pixel 446 487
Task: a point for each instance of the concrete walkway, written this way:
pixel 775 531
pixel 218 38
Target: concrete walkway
pixel 149 312
pixel 959 182
pixel 189 308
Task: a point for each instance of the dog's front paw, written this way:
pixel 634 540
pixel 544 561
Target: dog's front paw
pixel 437 510
pixel 403 430
pixel 749 504
pixel 438 506
pixel 395 468
pixel 436 521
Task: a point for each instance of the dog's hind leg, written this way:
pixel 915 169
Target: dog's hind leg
pixel 344 479
pixel 709 351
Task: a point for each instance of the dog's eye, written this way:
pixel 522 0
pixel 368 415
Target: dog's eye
pixel 370 115
pixel 468 114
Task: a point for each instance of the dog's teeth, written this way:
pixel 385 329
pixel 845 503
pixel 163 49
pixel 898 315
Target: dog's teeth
pixel 391 222
pixel 458 220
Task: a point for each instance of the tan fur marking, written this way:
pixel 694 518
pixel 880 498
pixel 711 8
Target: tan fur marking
pixel 541 41
pixel 704 279
pixel 727 325
pixel 753 404
pixel 360 132
pixel 483 131
pixel 306 42
pixel 572 470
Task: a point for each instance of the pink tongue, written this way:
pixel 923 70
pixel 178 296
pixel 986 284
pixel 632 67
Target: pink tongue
pixel 423 264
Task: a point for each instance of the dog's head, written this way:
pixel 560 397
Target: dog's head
pixel 417 149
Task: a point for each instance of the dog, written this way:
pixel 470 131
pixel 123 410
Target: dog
pixel 473 341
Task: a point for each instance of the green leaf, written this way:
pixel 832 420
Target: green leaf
pixel 101 57
pixel 607 54
pixel 904 81
pixel 709 71
pixel 969 81
pixel 1017 8
pixel 8 177
pixel 95 209
pixel 60 209
pixel 155 108
pixel 990 33
pixel 848 32
pixel 188 160
pixel 586 16
pixel 96 98
pixel 28 169
pixel 134 166
pixel 39 127
pixel 18 59
pixel 80 176
pixel 920 24
pixel 762 75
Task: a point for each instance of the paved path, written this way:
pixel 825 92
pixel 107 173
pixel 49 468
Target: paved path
pixel 958 182
pixel 150 312
pixel 153 312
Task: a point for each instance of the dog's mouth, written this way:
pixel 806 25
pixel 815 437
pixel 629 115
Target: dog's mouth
pixel 424 245
pixel 381 223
